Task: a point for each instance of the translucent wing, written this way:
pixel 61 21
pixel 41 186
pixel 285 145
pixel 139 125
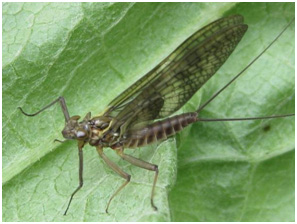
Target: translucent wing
pixel 195 39
pixel 174 81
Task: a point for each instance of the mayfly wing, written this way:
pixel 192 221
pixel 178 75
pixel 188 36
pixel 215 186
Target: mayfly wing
pixel 174 81
pixel 205 32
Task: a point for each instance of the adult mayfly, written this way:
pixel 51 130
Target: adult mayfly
pixel 140 115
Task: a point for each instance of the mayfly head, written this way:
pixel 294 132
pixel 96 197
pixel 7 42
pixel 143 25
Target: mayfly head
pixel 77 130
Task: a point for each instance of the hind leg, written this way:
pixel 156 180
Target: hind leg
pixel 142 164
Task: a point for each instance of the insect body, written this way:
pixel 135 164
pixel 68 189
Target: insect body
pixel 159 131
pixel 129 121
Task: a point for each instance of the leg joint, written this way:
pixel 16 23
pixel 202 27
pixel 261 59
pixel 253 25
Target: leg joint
pixel 128 177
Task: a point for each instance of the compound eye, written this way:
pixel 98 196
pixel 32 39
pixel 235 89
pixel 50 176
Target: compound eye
pixel 81 134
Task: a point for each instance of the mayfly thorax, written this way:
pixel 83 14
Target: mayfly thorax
pixel 129 120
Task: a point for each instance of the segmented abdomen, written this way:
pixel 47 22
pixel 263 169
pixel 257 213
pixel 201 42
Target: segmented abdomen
pixel 159 130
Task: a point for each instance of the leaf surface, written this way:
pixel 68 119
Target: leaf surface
pixel 89 53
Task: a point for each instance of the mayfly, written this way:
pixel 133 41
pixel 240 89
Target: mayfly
pixel 140 115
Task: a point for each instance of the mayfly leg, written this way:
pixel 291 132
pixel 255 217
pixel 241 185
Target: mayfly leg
pixel 62 102
pixel 142 164
pixel 118 170
pixel 81 182
pixel 60 141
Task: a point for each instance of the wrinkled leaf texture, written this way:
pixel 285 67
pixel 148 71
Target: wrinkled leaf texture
pixel 89 53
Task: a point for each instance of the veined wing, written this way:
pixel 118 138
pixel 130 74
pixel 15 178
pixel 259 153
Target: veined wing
pixel 197 38
pixel 174 81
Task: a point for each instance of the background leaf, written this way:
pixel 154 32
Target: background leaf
pixel 243 171
pixel 89 53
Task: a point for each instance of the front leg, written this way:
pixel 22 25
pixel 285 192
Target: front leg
pixel 80 175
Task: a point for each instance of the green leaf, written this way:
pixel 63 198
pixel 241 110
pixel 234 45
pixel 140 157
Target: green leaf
pixel 89 53
pixel 244 171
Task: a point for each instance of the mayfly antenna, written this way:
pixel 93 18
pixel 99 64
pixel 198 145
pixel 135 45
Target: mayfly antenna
pixel 62 102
